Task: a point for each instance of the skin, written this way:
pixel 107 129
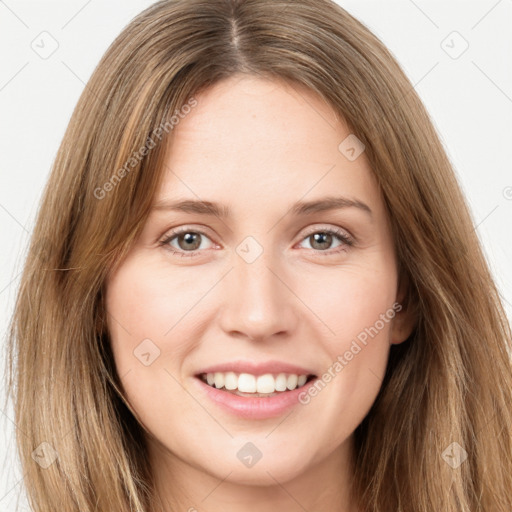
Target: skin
pixel 256 146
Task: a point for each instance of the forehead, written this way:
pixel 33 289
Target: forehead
pixel 252 140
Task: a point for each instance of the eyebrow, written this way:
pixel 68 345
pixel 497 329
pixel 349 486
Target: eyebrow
pixel 300 208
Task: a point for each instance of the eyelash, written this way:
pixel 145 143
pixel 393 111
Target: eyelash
pixel 342 236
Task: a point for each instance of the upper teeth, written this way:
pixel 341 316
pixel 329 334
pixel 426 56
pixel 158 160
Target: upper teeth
pixel 247 383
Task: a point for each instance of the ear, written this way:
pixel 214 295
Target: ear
pixel 402 325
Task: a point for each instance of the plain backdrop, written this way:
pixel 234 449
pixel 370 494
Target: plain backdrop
pixel 457 55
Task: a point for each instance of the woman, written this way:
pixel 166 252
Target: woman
pixel 254 283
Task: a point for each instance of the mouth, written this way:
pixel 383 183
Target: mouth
pixel 255 386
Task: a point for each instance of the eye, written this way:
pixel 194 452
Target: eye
pixel 186 242
pixel 322 239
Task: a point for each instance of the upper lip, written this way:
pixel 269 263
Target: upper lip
pixel 274 367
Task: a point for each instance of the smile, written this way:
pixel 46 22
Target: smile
pixel 258 395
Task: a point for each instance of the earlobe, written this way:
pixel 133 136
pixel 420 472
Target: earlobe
pixel 402 327
pixel 404 322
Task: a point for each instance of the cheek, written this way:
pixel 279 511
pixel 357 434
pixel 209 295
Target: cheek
pixel 147 318
pixel 144 303
pixel 352 302
pixel 358 310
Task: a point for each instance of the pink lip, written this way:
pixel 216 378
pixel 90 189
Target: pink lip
pixel 274 367
pixel 257 407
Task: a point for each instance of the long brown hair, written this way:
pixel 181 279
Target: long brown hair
pixel 450 382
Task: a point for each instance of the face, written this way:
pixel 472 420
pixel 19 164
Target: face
pixel 276 287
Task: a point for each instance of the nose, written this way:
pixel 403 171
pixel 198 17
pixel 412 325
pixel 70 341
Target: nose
pixel 258 303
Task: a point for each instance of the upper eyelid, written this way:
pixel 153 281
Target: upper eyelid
pixel 335 229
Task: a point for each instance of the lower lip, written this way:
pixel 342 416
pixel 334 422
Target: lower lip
pixel 257 407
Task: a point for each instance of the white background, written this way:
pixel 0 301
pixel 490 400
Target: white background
pixel 469 99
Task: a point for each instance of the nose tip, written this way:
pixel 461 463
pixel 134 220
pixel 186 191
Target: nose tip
pixel 256 303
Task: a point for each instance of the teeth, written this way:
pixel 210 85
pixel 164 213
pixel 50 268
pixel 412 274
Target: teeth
pixel 247 383
pixel 230 381
pixel 218 379
pixel 281 381
pixel 291 383
pixel 265 384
